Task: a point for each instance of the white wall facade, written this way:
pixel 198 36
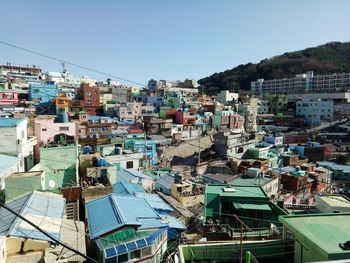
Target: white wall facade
pixel 226 96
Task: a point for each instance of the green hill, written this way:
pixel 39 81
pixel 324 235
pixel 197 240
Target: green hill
pixel 333 57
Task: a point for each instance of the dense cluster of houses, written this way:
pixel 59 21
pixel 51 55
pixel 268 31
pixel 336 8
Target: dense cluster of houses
pixel 155 174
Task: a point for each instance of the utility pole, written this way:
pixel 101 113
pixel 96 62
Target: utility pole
pixel 199 150
pixel 89 259
pixel 242 225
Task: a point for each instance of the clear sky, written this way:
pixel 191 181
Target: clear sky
pixel 163 39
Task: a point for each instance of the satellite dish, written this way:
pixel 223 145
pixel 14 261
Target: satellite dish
pixel 52 183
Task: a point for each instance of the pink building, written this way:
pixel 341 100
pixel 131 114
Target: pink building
pixel 8 97
pixel 46 129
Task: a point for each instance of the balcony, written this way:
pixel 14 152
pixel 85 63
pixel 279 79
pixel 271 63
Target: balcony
pixel 26 148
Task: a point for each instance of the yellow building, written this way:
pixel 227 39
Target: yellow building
pixel 187 193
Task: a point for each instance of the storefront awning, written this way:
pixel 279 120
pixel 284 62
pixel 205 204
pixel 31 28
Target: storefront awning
pixel 248 206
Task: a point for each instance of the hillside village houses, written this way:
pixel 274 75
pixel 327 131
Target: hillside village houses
pixel 166 173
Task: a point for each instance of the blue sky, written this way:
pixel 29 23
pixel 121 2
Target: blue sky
pixel 163 39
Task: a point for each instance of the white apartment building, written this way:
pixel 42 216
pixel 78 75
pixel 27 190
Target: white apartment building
pixel 14 140
pixel 226 96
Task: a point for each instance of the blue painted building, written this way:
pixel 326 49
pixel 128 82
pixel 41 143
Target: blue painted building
pixel 42 94
pixel 137 143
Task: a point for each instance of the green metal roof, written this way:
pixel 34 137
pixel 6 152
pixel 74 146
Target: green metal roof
pixel 250 181
pixel 325 231
pixel 251 206
pixel 122 236
pixel 18 186
pixel 236 191
pixel 59 164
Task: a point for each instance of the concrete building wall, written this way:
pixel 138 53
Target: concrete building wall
pixel 226 96
pixel 314 112
pixel 3 250
pixel 46 129
pixel 124 161
pixel 13 140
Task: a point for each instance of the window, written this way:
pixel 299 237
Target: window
pixel 93 129
pixel 147 251
pixel 129 164
pixel 43 129
pixel 123 257
pixel 135 254
pixel 104 129
pixel 64 128
pixel 88 93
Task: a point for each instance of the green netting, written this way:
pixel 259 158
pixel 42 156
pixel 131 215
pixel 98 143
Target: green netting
pixel 122 236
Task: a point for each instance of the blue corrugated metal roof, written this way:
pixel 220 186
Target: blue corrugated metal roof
pixel 7 161
pixel 102 216
pixel 165 181
pixel 115 211
pixel 45 209
pixel 10 122
pixel 156 203
pixel 174 223
pixel 7 218
pixel 94 118
pixel 124 188
pixel 136 173
pixel 129 174
pixel 334 166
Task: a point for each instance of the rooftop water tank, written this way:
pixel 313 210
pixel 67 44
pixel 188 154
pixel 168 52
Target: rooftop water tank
pixel 177 179
pixel 62 117
pixel 87 149
pixel 101 162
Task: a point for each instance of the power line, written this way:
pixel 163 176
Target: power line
pixel 89 259
pixel 69 63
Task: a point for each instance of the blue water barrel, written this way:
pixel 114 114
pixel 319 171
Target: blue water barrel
pixel 87 149
pixel 62 117
pixel 101 162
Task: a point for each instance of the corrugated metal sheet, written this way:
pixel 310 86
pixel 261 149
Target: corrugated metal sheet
pixel 7 218
pixel 114 211
pixel 102 217
pixel 127 188
pixel 46 210
pixel 10 122
pixel 156 203
pixel 165 181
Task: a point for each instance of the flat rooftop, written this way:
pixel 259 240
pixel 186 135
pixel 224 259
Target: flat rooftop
pixel 236 191
pixel 326 231
pixel 10 122
pixel 336 200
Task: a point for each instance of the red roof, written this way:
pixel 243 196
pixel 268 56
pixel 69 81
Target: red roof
pixel 135 130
